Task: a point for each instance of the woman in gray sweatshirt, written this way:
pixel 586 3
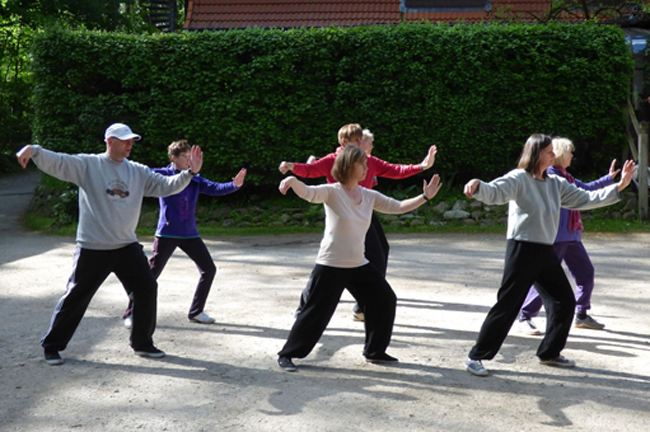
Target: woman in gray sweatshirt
pixel 534 198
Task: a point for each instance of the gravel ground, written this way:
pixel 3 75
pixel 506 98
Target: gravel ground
pixel 224 376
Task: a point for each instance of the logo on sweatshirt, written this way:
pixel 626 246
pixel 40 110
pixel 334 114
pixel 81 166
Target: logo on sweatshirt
pixel 117 190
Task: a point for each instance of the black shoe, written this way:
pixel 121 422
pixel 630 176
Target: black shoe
pixel 286 364
pixel 53 358
pixel 381 358
pixel 151 352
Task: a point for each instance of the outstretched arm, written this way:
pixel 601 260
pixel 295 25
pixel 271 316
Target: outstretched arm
pixel 429 190
pixel 24 155
pixel 429 159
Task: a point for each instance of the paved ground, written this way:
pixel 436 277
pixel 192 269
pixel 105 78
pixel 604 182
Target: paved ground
pixel 224 376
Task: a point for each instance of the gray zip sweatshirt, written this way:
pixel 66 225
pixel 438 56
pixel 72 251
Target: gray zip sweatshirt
pixel 534 205
pixel 110 193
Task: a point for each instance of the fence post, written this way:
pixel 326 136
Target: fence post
pixel 643 171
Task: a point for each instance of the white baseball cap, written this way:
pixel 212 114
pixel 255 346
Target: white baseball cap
pixel 121 132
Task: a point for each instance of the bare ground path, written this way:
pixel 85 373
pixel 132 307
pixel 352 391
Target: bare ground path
pixel 224 377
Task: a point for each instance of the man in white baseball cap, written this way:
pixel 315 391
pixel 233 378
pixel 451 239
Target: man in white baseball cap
pixel 120 131
pixel 111 189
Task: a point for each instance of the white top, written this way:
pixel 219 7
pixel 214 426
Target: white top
pixel 534 205
pixel 110 193
pixel 346 223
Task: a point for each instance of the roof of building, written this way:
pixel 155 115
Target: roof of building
pixel 222 14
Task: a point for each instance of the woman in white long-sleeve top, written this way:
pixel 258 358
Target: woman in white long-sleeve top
pixel 534 199
pixel 341 262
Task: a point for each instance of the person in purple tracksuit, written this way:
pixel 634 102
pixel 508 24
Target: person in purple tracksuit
pixel 568 247
pixel 177 228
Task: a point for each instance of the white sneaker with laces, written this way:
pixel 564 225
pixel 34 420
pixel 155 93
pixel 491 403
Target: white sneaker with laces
pixel 528 327
pixel 202 318
pixel 128 322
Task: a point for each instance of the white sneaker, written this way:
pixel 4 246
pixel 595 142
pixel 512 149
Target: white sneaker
pixel 128 322
pixel 528 327
pixel 202 318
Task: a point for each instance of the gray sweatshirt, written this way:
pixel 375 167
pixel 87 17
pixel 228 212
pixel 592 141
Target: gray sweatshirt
pixel 534 205
pixel 110 193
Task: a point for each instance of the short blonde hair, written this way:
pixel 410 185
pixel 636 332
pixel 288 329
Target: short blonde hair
pixel 345 161
pixel 350 132
pixel 562 147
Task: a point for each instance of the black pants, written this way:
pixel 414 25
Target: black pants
pixel 326 284
pixel 376 251
pixel 90 270
pixel 163 248
pixel 528 263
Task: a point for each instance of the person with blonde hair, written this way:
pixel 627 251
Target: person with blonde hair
pixel 341 262
pixel 534 198
pixel 568 246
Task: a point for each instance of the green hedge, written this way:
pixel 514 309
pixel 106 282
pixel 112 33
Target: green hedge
pixel 256 97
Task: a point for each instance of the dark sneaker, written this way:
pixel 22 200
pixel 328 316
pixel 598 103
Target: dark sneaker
pixel 475 367
pixel 559 361
pixel 53 358
pixel 588 323
pixel 151 352
pixel 286 364
pixel 381 358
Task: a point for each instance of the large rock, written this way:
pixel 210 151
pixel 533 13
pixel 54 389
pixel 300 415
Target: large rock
pixel 456 214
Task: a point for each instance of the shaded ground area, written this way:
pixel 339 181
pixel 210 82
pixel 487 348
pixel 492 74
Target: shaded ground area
pixel 224 376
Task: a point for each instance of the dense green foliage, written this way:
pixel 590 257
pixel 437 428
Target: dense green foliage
pixel 256 97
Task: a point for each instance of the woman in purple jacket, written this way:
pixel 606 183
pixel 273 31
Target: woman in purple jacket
pixel 177 228
pixel 568 247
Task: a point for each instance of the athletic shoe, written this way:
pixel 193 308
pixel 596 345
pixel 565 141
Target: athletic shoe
pixel 528 327
pixel 53 358
pixel 128 322
pixel 150 352
pixel 588 323
pixel 358 316
pixel 475 367
pixel 381 358
pixel 202 318
pixel 286 364
pixel 559 361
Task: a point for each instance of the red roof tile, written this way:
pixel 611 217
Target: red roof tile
pixel 219 14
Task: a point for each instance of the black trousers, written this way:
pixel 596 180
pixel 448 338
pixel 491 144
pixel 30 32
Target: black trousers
pixel 163 248
pixel 525 264
pixel 326 284
pixel 90 270
pixel 376 251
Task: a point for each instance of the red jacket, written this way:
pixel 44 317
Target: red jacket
pixel 376 168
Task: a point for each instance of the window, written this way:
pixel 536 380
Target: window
pixel 444 5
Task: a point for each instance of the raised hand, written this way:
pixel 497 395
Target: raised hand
pixel 629 168
pixel 196 159
pixel 613 172
pixel 430 158
pixel 238 180
pixel 431 189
